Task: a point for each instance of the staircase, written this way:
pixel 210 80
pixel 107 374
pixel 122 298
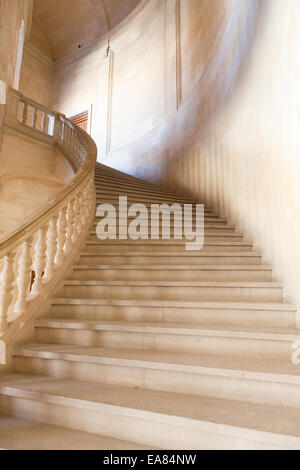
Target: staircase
pixel 160 347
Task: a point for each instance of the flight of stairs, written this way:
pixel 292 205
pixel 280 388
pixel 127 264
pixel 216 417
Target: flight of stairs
pixel 161 347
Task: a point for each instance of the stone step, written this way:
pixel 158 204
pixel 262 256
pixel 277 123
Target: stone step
pixel 161 290
pixel 151 418
pixel 208 225
pixel 255 343
pixel 20 434
pixel 272 383
pixel 163 245
pixel 171 273
pixel 173 258
pixel 208 219
pixel 209 235
pixel 104 179
pixel 207 313
pixel 147 202
pixel 108 192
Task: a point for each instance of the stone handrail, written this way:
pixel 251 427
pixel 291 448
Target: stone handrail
pixel 38 251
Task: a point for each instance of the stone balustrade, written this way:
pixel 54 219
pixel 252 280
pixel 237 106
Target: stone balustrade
pixel 38 252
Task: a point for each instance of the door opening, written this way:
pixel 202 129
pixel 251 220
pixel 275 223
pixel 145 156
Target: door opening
pixel 81 120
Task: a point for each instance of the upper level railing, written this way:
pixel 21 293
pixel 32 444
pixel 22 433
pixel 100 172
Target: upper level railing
pixel 36 253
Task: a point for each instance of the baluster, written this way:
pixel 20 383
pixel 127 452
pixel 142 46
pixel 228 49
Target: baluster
pixel 70 227
pixel 39 262
pixel 24 276
pixel 46 124
pixel 77 228
pixel 35 116
pixel 84 206
pixel 62 235
pixel 66 135
pixel 7 281
pixel 43 121
pixel 51 249
pixel 25 113
pixel 80 213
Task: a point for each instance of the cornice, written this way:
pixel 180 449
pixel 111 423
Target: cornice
pixel 39 56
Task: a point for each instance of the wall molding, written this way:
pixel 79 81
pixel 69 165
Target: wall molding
pixel 178 54
pixel 109 101
pixel 36 54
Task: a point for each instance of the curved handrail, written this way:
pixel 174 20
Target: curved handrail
pixel 35 252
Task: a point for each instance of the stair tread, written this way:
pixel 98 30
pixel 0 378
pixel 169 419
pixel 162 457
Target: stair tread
pixel 20 434
pixel 179 267
pixel 270 284
pixel 164 242
pixel 282 334
pixel 188 254
pixel 194 411
pixel 181 304
pixel 189 363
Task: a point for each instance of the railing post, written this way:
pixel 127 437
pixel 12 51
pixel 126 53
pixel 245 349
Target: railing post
pixel 51 249
pixel 70 227
pixel 6 286
pixel 24 276
pixel 13 99
pixel 62 230
pixel 39 262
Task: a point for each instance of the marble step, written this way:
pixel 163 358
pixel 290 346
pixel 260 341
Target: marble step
pixel 161 290
pixel 173 258
pixel 20 434
pixel 210 314
pixel 209 235
pixel 267 382
pixel 255 343
pixel 149 418
pixel 137 195
pixel 165 245
pixel 153 272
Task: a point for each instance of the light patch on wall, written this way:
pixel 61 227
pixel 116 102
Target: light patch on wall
pixel 19 56
pixel 2 92
pixel 2 352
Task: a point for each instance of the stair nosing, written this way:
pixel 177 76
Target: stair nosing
pixel 163 417
pixel 71 356
pixel 166 328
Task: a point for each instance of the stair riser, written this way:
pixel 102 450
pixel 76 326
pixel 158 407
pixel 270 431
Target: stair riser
pixel 191 344
pixel 208 227
pixel 140 429
pixel 207 237
pixel 171 260
pixel 184 293
pixel 119 245
pixel 179 381
pixel 175 314
pixel 171 275
pixel 209 217
pixel 140 197
pixel 115 184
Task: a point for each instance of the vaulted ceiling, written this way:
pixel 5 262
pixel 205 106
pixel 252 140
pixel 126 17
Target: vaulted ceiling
pixel 60 26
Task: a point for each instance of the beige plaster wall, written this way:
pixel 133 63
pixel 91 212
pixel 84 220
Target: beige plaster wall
pixel 31 174
pixel 37 76
pixel 248 165
pixel 12 12
pixel 203 96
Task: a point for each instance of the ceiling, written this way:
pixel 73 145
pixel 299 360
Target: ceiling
pixel 60 26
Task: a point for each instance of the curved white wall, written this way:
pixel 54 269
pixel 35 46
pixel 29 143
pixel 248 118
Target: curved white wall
pixel 203 96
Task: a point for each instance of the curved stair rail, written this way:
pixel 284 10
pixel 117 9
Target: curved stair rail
pixel 39 251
